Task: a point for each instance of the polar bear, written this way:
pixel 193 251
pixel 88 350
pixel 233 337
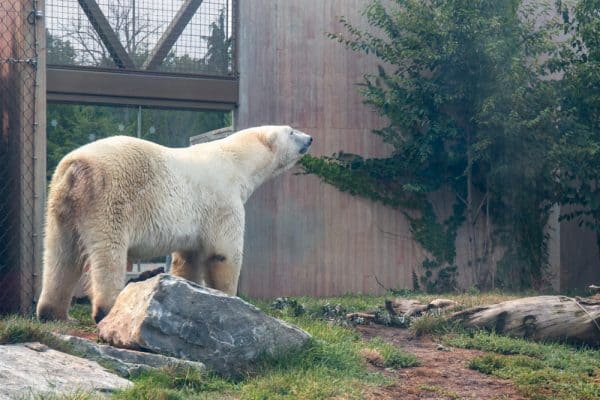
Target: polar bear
pixel 123 198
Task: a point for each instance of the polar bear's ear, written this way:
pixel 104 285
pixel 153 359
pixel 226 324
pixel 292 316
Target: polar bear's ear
pixel 267 139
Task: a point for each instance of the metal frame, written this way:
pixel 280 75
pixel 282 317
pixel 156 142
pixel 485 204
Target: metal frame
pixel 105 86
pixel 127 85
pixel 107 34
pixel 170 36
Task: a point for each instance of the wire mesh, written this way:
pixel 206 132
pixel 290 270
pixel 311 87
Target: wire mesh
pixel 203 47
pixel 18 62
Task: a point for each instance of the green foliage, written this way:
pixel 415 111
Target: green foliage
pixel 578 151
pixel 467 110
pixel 59 52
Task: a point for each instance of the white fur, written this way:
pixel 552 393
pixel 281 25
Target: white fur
pixel 124 198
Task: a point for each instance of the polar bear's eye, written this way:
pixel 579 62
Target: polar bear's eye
pixel 291 133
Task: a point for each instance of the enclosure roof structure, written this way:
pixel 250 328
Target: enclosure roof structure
pixel 177 55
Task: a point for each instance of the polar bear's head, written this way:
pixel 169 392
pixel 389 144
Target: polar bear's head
pixel 287 144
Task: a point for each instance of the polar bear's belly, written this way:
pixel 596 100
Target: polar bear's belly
pixel 162 235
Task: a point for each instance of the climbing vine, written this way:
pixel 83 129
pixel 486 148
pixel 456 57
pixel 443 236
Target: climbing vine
pixel 466 110
pixel 356 176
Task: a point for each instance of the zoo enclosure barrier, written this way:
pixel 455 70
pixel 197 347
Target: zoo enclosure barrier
pixel 22 151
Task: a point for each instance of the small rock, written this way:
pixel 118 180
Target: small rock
pixel 441 347
pixel 175 317
pixel 27 372
pixel 373 357
pixel 124 362
pixel 36 346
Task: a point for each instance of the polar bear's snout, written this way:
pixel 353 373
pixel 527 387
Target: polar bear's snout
pixel 306 146
pixel 304 140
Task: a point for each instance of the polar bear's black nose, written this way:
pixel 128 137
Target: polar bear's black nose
pixel 310 140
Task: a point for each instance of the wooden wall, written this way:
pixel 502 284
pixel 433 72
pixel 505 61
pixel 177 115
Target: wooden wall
pixel 304 237
pixel 579 254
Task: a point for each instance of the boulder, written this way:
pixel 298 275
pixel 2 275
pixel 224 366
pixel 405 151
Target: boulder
pixel 32 370
pixel 175 317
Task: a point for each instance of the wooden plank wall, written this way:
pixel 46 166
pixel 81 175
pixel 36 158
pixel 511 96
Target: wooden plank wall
pixel 304 237
pixel 579 254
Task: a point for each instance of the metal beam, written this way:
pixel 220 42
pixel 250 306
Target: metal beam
pixel 171 34
pixel 107 34
pixel 141 88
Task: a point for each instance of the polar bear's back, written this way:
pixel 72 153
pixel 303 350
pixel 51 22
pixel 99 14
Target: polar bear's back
pixel 119 151
pixel 131 187
pixel 120 173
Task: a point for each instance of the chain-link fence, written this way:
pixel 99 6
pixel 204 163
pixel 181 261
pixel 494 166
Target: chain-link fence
pixel 18 70
pixel 196 35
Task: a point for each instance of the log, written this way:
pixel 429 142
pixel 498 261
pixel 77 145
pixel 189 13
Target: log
pixel 442 304
pixel 408 308
pixel 363 315
pixel 554 318
pixel 402 306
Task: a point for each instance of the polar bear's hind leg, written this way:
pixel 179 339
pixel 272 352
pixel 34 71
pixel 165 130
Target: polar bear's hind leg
pixel 63 266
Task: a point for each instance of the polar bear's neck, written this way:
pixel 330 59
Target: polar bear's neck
pixel 253 165
pixel 241 166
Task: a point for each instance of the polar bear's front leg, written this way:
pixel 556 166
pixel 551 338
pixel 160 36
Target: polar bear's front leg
pixel 223 260
pixel 223 272
pixel 187 265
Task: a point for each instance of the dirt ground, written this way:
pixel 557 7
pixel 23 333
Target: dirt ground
pixel 443 374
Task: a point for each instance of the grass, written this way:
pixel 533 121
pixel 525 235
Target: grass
pixel 430 324
pixel 19 329
pixel 335 362
pixel 331 365
pixel 540 370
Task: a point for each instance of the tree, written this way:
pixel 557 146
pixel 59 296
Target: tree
pixel 59 52
pixel 218 55
pixel 217 59
pixel 460 86
pixel 578 151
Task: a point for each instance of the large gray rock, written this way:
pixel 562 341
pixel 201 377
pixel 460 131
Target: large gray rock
pixel 32 370
pixel 124 362
pixel 175 317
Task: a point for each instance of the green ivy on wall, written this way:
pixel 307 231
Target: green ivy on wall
pixel 438 239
